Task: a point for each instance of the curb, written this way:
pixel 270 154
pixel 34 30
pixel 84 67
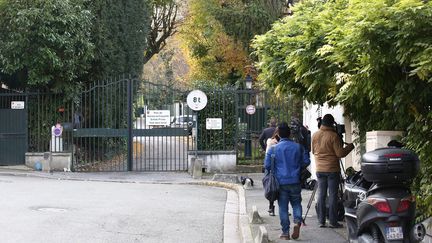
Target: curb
pixel 245 230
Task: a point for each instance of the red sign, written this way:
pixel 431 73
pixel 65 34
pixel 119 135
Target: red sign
pixel 250 109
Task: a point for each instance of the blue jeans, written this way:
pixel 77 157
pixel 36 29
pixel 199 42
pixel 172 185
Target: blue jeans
pixel 289 194
pixel 330 181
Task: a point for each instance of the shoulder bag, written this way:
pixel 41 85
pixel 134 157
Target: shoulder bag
pixel 270 183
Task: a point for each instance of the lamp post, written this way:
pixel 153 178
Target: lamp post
pixel 248 142
pixel 248 82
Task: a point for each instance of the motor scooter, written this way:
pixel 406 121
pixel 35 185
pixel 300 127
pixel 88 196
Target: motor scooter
pixel 379 205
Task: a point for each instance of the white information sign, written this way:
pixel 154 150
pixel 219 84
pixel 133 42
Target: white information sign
pixel 250 109
pixel 158 117
pixel 196 100
pixel 17 105
pixel 214 123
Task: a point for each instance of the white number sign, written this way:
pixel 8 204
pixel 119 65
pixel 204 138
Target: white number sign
pixel 196 100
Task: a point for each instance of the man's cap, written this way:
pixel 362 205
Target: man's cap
pixel 283 125
pixel 328 120
pixel 283 129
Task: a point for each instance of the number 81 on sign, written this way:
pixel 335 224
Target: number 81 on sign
pixel 196 100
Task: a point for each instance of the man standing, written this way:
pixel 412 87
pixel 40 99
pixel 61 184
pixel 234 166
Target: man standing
pixel 290 158
pixel 327 148
pixel 267 133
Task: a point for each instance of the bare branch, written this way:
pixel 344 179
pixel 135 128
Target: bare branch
pixel 164 25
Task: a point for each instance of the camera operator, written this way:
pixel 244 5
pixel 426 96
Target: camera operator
pixel 328 149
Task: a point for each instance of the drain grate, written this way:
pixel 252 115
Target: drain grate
pixel 50 209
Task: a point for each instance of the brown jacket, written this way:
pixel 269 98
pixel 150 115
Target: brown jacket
pixel 327 149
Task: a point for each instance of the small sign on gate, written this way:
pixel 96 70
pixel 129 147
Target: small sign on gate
pixel 17 105
pixel 250 109
pixel 158 117
pixel 214 123
pixel 57 130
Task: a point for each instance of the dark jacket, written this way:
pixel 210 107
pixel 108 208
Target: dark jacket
pixel 266 134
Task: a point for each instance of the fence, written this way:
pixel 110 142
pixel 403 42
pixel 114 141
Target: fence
pixel 132 124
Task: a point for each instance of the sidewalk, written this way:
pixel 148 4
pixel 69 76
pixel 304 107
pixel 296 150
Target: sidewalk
pixel 309 233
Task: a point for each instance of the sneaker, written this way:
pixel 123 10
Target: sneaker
pixel 271 212
pixel 284 236
pixel 337 225
pixel 322 225
pixel 296 232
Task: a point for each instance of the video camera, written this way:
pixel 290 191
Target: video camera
pixel 340 130
pixel 300 134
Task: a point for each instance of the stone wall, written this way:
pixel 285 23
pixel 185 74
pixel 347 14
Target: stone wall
pixel 215 161
pixel 49 161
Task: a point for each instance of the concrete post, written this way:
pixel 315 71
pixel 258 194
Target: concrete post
pixel 255 218
pixel 191 166
pixel 47 161
pixel 197 169
pixel 262 236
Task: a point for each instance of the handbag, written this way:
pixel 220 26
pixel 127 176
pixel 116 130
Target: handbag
pixel 270 183
pixel 304 175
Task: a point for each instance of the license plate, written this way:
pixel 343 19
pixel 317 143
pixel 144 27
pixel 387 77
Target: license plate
pixel 394 233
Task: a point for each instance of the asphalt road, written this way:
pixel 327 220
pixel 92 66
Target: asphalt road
pixel 161 153
pixel 47 210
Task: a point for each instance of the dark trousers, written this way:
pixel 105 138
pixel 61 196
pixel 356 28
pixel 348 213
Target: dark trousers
pixel 271 205
pixel 328 181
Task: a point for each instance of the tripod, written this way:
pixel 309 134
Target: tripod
pixel 310 202
pixel 340 192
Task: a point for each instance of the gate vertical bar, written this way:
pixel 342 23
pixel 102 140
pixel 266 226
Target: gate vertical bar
pixel 26 122
pixel 236 101
pixel 129 122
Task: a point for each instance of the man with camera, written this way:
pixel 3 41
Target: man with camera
pixel 327 147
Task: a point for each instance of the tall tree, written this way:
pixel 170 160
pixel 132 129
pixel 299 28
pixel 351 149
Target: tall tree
pixel 217 34
pixel 371 56
pixel 120 30
pixel 213 55
pixel 44 43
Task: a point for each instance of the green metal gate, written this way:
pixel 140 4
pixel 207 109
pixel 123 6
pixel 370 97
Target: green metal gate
pixel 13 136
pixel 116 133
pixel 131 125
pixel 13 128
